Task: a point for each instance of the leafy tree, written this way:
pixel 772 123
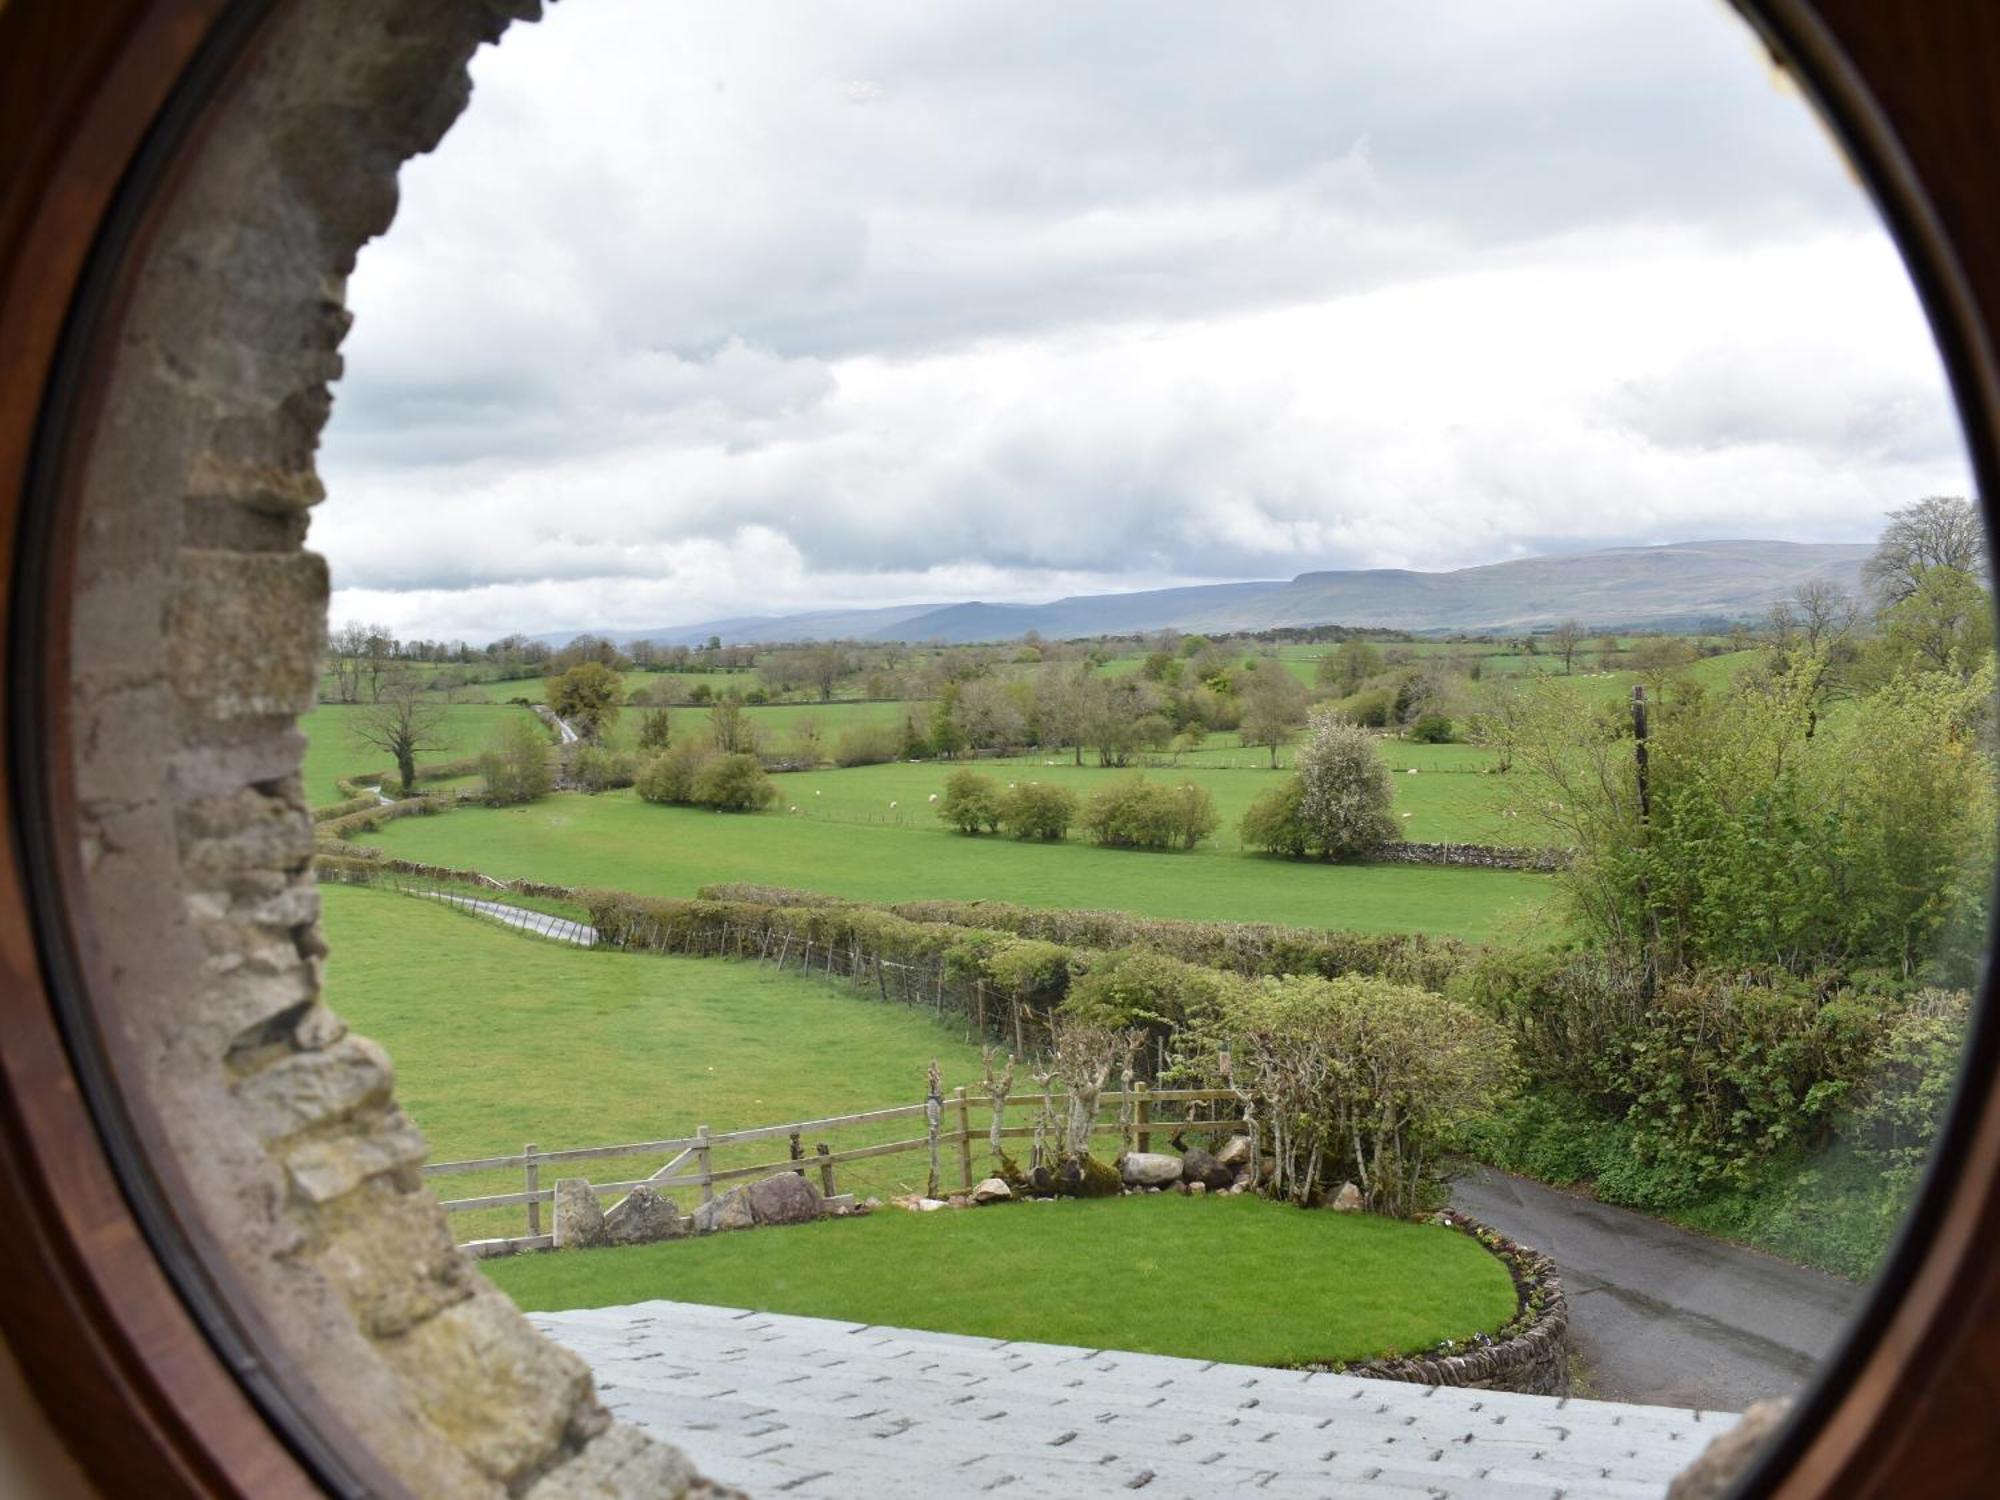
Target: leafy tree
pixel 656 730
pixel 948 739
pixel 515 767
pixel 733 783
pixel 1274 704
pixel 587 697
pixel 1344 788
pixel 1038 810
pixel 825 665
pixel 971 802
pixel 1944 624
pixel 403 724
pixel 1939 531
pixel 729 727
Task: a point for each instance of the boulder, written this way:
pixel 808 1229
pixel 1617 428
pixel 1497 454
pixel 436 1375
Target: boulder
pixel 1197 1189
pixel 785 1199
pixel 1199 1166
pixel 992 1190
pixel 1347 1200
pixel 730 1211
pixel 1149 1168
pixel 643 1217
pixel 1235 1152
pixel 579 1218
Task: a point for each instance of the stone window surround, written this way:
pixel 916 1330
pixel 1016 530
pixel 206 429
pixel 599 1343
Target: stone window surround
pixel 196 625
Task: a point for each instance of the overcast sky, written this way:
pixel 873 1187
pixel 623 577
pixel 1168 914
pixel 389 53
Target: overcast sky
pixel 710 309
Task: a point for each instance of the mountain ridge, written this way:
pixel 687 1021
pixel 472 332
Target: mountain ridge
pixel 1669 585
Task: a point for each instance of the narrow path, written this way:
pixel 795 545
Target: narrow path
pixel 1665 1316
pixel 541 923
pixel 825 1410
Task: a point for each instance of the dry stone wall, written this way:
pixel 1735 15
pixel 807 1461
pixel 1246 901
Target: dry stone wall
pixel 197 628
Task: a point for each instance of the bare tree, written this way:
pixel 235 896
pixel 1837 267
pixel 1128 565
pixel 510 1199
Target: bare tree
pixel 1564 641
pixel 403 724
pixel 1939 531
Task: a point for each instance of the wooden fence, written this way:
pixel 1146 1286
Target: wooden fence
pixel 690 1162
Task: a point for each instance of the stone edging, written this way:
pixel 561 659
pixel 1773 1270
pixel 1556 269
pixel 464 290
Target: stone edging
pixel 1481 856
pixel 1530 1355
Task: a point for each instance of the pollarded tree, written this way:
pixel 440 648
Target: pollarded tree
pixel 401 722
pixel 1344 788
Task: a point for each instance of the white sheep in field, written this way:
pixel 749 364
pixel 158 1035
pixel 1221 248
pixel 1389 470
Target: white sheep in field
pixel 933 798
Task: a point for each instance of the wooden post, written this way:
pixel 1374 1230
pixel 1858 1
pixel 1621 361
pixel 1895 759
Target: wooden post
pixel 964 1138
pixel 1142 1116
pixel 798 1154
pixel 1649 979
pixel 701 1156
pixel 825 1169
pixel 533 1172
pixel 979 1007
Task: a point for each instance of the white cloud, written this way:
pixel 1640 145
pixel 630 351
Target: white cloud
pixel 1132 295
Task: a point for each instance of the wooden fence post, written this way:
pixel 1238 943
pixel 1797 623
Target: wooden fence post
pixel 1142 1114
pixel 964 1138
pixel 825 1170
pixel 798 1154
pixel 702 1158
pixel 533 1170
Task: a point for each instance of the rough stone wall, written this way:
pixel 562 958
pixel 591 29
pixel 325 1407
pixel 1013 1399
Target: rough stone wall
pixel 197 628
pixel 1480 856
pixel 1531 1357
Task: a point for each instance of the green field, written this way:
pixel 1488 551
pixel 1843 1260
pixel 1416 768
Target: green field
pixel 501 1039
pixel 618 841
pixel 334 749
pixel 1234 1279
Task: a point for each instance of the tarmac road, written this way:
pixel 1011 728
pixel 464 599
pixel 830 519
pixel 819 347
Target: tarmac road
pixel 1664 1316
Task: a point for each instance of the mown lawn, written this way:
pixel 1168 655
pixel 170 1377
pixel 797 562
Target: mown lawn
pixel 1232 1279
pixel 501 1038
pixel 616 840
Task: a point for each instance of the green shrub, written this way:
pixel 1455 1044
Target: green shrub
pixel 1432 729
pixel 733 783
pixel 1275 823
pixel 1142 814
pixel 595 769
pixel 1344 789
pixel 971 802
pixel 670 777
pixel 1139 987
pixel 1038 810
pixel 868 745
pixel 515 767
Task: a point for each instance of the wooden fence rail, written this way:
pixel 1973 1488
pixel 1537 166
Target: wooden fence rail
pixel 1136 1125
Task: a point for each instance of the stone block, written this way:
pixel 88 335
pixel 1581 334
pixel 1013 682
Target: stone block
pixel 730 1211
pixel 784 1199
pixel 390 1254
pixel 579 1218
pixel 642 1217
pixel 307 1089
pixel 992 1190
pixel 322 1170
pixel 245 632
pixel 493 1388
pixel 622 1464
pixel 1149 1168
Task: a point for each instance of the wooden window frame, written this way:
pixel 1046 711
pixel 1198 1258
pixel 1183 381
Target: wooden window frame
pixel 126 1331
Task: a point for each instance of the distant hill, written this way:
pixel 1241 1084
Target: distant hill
pixel 1679 585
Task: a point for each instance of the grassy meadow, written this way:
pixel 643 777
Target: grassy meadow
pixel 501 1038
pixel 619 841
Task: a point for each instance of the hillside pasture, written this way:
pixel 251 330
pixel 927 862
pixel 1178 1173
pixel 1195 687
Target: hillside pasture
pixel 618 841
pixel 334 747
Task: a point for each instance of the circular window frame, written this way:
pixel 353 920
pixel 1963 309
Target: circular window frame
pixel 132 1325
